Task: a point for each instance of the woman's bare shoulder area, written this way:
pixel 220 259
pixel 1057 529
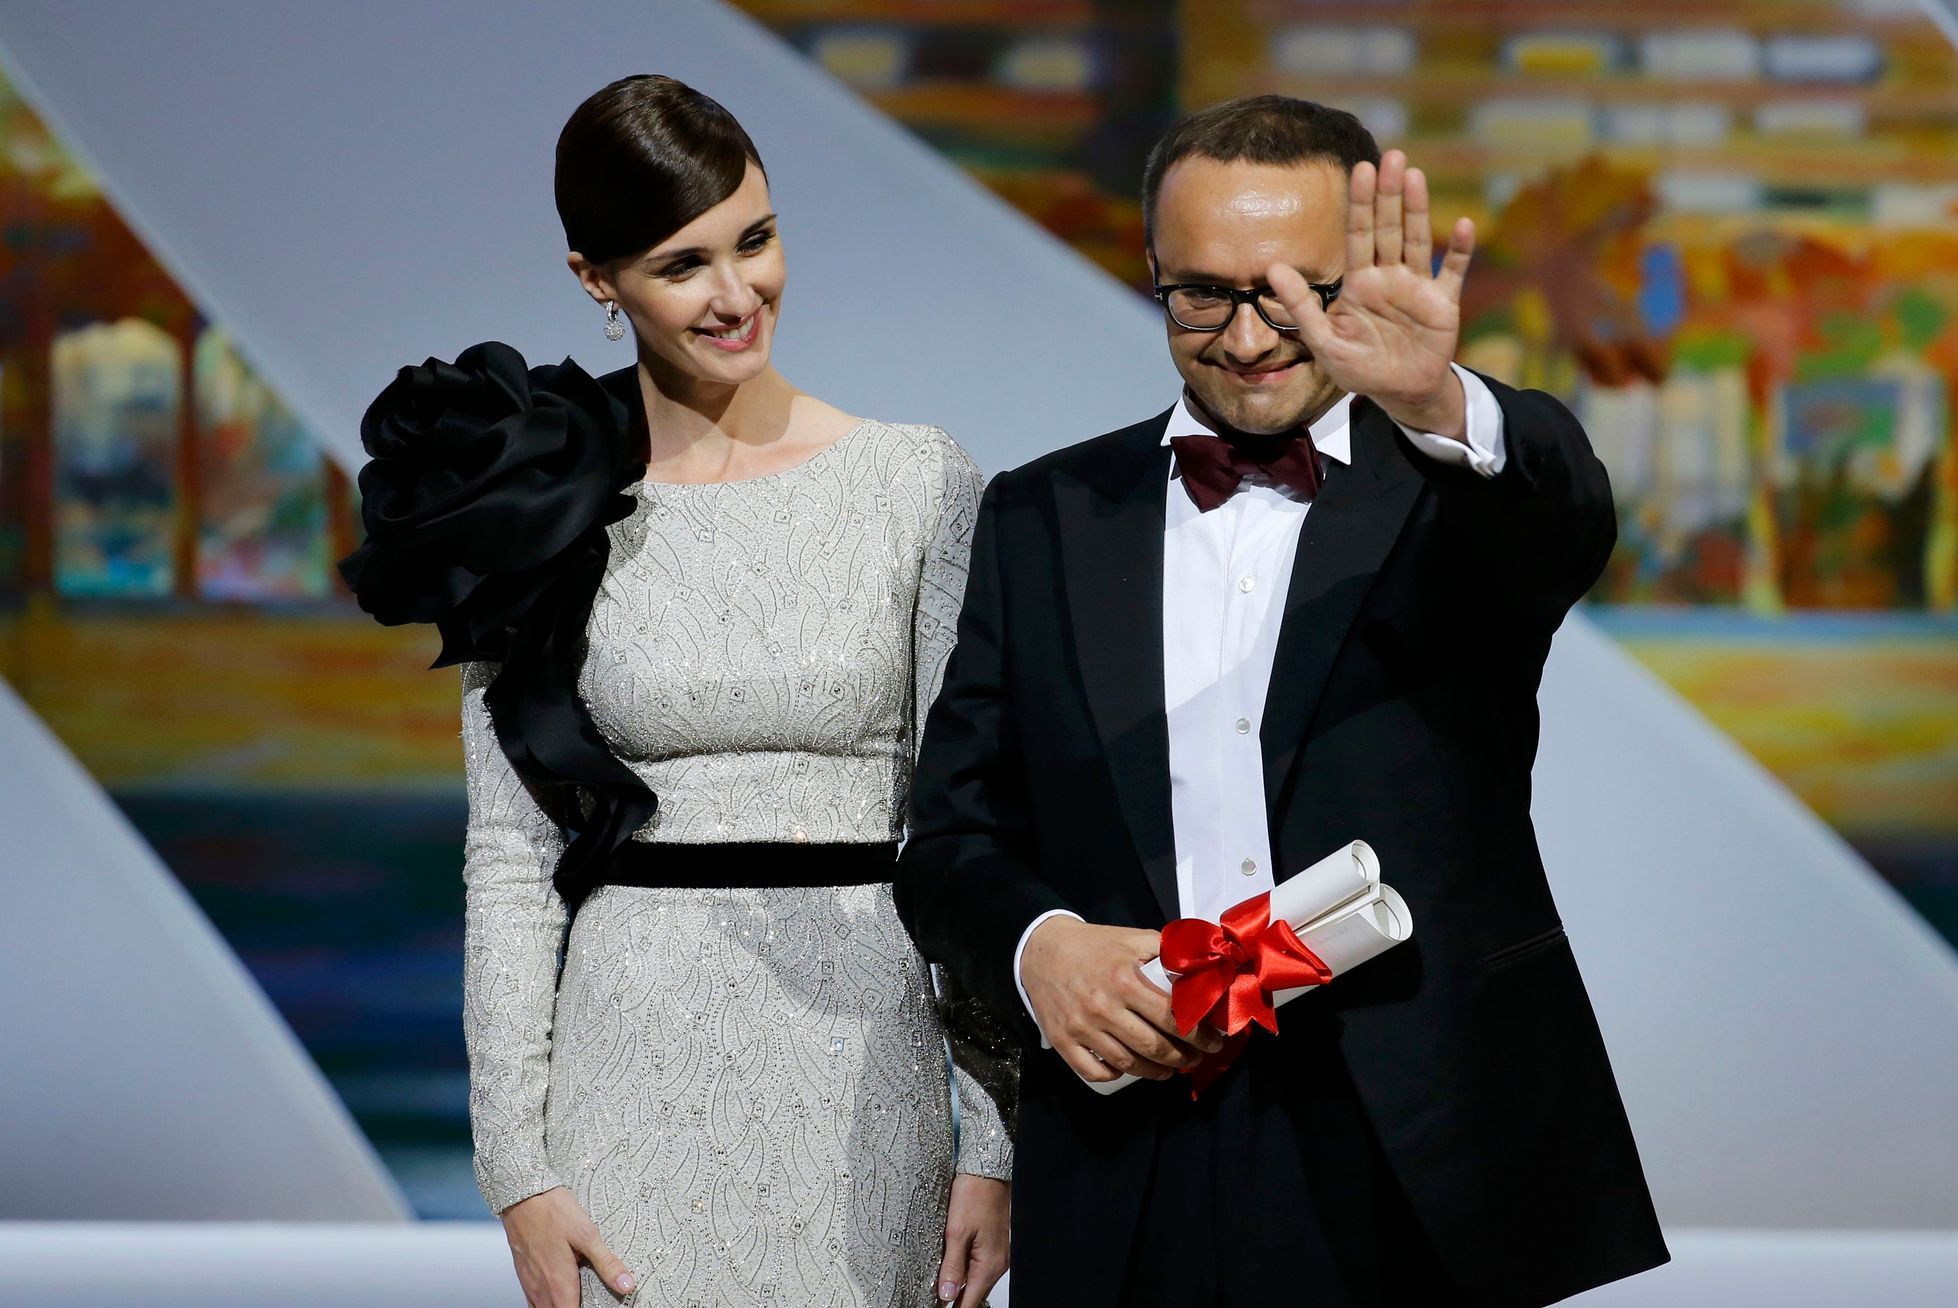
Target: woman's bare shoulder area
pixel 818 422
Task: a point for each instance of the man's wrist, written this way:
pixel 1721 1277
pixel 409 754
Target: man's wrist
pixel 1445 414
pixel 1019 953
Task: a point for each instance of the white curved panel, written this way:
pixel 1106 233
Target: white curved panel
pixel 147 1076
pixel 1781 1022
pixel 349 188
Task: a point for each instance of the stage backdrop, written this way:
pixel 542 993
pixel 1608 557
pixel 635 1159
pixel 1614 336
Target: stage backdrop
pixel 1726 232
pixel 1728 245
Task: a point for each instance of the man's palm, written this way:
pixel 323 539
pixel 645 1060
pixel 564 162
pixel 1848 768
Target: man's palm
pixel 1393 330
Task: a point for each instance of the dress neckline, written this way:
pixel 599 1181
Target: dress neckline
pixel 644 485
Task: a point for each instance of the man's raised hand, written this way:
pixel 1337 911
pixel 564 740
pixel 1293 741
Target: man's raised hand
pixel 1391 334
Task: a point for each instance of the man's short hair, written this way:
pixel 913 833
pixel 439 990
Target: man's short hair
pixel 1263 129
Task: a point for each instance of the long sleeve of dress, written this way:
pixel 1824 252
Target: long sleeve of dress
pixel 985 1056
pixel 513 922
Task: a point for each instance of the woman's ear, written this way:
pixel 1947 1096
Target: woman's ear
pixel 592 277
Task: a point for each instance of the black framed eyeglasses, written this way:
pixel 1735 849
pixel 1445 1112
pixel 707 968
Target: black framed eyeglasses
pixel 1197 308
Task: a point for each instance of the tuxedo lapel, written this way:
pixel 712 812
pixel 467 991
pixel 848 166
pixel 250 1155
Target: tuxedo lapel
pixel 1346 535
pixel 1110 514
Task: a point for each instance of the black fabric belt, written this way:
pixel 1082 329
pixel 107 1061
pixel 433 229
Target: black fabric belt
pixel 756 863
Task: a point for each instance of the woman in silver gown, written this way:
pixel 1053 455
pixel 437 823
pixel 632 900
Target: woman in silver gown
pixel 700 615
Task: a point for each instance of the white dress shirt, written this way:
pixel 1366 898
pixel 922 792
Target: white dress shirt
pixel 1225 574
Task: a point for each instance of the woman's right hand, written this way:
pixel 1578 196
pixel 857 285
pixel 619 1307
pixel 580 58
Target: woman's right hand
pixel 548 1233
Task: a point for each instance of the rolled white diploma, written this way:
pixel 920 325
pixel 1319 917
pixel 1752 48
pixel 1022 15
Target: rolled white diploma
pixel 1340 911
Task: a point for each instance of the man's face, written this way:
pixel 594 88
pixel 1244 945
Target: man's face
pixel 1223 224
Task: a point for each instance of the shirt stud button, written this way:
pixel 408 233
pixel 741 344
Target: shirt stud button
pixel 1246 584
pixel 1244 726
pixel 1249 867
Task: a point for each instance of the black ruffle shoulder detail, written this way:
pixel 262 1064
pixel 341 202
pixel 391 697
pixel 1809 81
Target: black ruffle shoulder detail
pixel 485 498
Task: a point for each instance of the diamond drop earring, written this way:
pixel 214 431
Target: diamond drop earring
pixel 614 329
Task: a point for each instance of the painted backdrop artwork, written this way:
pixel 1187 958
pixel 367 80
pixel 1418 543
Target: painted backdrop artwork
pixel 1770 393
pixel 169 609
pixel 1723 231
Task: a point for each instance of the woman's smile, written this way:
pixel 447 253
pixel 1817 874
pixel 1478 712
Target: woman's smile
pixel 734 338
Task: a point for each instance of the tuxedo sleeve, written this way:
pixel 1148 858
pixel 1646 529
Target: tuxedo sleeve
pixel 1544 524
pixel 985 1055
pixel 966 886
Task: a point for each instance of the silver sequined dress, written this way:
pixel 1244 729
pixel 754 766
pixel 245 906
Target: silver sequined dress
pixel 747 1088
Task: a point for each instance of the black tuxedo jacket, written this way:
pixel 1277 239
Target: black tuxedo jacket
pixel 1402 711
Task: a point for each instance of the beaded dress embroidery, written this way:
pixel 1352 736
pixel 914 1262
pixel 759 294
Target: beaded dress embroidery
pixel 745 1088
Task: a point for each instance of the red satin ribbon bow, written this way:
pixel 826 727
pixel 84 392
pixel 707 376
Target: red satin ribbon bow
pixel 1227 972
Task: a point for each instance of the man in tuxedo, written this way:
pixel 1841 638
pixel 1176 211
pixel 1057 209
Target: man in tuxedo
pixel 1310 603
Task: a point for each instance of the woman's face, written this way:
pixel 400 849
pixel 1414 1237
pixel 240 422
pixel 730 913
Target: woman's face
pixel 704 300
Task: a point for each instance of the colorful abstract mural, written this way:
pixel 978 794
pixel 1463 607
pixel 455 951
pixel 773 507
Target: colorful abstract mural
pixel 1726 232
pixel 1053 104
pixel 169 608
pixel 140 457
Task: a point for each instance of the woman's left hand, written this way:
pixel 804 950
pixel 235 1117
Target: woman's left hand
pixel 976 1234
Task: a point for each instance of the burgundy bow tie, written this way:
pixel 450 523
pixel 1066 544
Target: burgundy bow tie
pixel 1213 467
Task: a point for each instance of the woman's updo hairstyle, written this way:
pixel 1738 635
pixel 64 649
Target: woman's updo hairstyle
pixel 641 159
